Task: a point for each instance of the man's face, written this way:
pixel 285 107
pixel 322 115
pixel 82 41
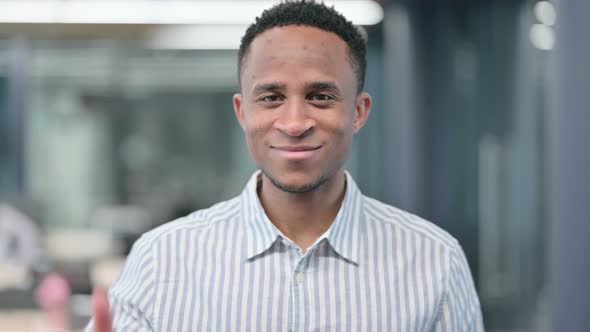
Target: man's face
pixel 299 106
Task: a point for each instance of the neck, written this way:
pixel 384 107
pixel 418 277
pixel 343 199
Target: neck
pixel 303 217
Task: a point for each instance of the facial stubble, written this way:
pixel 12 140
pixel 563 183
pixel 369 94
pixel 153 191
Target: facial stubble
pixel 307 188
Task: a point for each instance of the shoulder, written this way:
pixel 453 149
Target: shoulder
pixel 387 216
pixel 199 221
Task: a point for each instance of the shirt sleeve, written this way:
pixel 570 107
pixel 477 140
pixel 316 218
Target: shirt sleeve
pixel 131 299
pixel 460 309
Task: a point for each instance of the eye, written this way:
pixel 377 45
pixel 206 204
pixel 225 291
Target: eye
pixel 270 99
pixel 321 97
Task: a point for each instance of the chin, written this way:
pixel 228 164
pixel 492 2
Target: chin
pixel 296 184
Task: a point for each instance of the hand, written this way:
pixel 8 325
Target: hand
pixel 101 311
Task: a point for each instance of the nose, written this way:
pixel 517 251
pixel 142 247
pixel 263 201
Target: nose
pixel 294 120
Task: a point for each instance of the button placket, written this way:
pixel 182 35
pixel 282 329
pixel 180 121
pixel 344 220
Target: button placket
pixel 300 284
pixel 299 277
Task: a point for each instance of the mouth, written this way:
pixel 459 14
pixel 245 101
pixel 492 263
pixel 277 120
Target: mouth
pixel 296 152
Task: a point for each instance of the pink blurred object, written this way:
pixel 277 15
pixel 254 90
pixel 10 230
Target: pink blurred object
pixel 53 296
pixel 53 291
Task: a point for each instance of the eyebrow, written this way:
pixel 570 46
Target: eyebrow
pixel 273 86
pixel 329 86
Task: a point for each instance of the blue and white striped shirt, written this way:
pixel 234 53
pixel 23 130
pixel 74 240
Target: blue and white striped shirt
pixel 228 268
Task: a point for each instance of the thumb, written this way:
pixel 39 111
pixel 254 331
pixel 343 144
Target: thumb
pixel 101 311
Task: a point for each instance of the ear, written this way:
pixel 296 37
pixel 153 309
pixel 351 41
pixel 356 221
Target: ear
pixel 361 111
pixel 239 110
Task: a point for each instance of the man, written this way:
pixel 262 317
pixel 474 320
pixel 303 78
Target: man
pixel 301 248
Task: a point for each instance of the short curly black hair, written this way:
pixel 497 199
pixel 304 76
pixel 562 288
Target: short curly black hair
pixel 312 14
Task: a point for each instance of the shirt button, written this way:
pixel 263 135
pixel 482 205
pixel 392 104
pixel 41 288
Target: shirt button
pixel 300 277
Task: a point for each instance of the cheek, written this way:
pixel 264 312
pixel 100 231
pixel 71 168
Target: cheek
pixel 254 137
pixel 341 127
pixel 342 132
pixel 258 126
pixel 340 141
pixel 256 121
pixel 345 142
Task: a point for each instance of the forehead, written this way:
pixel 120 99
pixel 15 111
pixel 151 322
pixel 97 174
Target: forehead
pixel 296 51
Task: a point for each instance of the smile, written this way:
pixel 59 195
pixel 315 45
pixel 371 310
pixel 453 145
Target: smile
pixel 296 152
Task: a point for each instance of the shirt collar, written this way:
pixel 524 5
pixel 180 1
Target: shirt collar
pixel 259 231
pixel 344 235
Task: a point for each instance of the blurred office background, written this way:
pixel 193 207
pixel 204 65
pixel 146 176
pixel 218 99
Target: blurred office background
pixel 114 120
